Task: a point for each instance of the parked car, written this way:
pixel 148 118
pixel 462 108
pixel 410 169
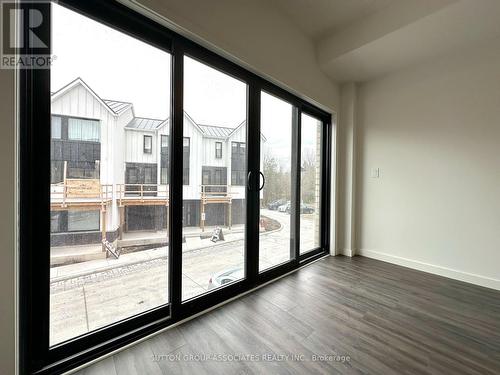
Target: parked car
pixel 303 209
pixel 225 277
pixel 284 207
pixel 274 205
pixel 306 209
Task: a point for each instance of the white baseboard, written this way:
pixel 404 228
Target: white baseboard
pixel 487 282
pixel 346 252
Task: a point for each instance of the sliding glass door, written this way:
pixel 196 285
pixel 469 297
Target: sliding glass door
pixel 215 183
pixel 276 209
pixel 158 179
pixel 310 182
pixel 108 205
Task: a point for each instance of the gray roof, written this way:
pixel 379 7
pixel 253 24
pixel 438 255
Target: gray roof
pixel 216 131
pixel 117 106
pixel 142 123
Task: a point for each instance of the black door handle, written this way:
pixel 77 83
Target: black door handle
pixel 263 181
pixel 249 185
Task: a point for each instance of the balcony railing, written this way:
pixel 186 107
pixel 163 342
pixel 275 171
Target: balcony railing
pixel 80 191
pixel 215 192
pixel 141 192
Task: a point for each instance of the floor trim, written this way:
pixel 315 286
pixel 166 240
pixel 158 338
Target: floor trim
pixel 483 281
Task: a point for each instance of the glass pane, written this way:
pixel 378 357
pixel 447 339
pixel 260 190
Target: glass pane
pixel 310 183
pixel 276 159
pixel 56 127
pixel 83 130
pixel 108 247
pixel 83 220
pixel 214 195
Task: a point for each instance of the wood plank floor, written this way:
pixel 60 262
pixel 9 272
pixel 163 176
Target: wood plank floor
pixel 385 318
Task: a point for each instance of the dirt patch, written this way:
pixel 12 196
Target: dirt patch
pixel 269 224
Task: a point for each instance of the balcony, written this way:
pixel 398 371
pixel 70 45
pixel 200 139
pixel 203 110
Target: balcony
pixel 75 193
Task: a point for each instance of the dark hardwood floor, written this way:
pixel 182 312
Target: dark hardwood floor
pixel 385 318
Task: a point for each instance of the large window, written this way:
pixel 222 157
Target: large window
pixel 75 153
pixel 310 183
pixel 83 221
pixel 212 212
pixel 97 204
pixel 83 130
pixel 227 191
pixel 74 221
pixel 276 165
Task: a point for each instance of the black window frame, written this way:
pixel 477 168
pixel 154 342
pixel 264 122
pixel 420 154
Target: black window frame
pixel 150 149
pixel 34 111
pixel 218 155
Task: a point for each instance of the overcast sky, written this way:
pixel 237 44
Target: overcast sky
pixel 122 68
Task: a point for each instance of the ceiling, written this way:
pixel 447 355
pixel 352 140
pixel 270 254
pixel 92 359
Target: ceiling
pixel 317 18
pixel 359 40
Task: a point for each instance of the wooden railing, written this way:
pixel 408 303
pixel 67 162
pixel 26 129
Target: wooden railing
pixel 215 191
pixel 80 190
pixel 142 192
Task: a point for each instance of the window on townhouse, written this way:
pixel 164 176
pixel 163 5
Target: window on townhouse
pixel 185 160
pixel 75 149
pixel 238 163
pixel 148 144
pixel 74 221
pixel 218 150
pixel 80 129
pixel 56 127
pixel 164 160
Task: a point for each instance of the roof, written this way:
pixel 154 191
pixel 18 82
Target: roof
pixel 114 106
pixel 141 123
pixel 148 124
pixel 216 131
pixel 117 106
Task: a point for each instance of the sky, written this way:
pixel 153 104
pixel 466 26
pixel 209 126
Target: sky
pixel 119 67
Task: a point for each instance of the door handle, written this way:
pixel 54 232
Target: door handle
pixel 263 180
pixel 249 186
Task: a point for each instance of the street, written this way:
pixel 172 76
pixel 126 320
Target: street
pixel 86 302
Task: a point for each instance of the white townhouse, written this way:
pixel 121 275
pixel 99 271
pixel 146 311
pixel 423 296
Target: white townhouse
pixel 110 169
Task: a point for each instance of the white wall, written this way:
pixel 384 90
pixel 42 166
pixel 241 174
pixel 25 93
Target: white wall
pixel 258 35
pixel 434 132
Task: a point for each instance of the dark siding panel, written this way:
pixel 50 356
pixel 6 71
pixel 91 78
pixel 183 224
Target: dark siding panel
pixel 146 218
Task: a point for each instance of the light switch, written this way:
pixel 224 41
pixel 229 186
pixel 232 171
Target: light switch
pixel 375 172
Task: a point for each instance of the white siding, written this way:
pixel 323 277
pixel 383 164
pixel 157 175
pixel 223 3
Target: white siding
pixel 192 191
pixel 239 135
pixel 208 152
pixel 80 102
pixel 134 147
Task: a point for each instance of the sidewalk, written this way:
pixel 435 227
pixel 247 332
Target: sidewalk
pixel 193 243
